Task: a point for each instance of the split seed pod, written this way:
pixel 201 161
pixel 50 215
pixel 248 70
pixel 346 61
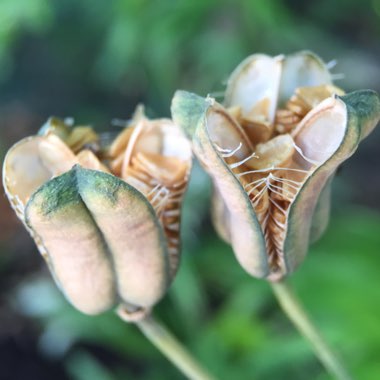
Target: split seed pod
pixel 110 237
pixel 272 152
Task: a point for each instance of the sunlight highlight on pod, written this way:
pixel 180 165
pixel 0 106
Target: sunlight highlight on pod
pixel 105 217
pixel 271 150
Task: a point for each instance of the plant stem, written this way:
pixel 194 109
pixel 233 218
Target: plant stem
pixel 165 342
pixel 292 307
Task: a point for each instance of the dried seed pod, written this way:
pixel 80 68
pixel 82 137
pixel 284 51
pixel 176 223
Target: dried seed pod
pixel 286 128
pixel 106 242
pixel 271 213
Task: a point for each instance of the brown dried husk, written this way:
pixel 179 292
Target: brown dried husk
pixel 282 198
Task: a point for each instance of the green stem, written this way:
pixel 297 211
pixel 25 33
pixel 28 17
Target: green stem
pixel 164 341
pixel 292 307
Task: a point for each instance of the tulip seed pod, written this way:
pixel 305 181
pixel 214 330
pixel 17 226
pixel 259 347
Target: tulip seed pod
pixel 109 237
pixel 271 151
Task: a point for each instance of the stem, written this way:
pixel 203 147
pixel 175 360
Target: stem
pixel 292 307
pixel 165 342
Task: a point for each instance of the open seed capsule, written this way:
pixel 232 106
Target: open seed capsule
pixel 106 242
pixel 272 197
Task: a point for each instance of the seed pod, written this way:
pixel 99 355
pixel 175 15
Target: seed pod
pixel 105 241
pixel 269 214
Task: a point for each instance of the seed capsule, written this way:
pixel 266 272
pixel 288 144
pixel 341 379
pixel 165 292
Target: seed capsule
pixel 106 240
pixel 272 192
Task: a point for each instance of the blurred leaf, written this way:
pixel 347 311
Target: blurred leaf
pixel 17 16
pixel 82 366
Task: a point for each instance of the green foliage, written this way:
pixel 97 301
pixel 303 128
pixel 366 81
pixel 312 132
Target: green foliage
pixel 17 17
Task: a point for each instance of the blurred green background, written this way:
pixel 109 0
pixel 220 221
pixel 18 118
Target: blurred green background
pixel 95 61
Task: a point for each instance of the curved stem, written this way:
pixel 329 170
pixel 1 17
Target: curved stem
pixel 165 342
pixel 292 307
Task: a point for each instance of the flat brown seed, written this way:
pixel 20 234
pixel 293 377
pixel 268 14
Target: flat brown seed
pixel 274 153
